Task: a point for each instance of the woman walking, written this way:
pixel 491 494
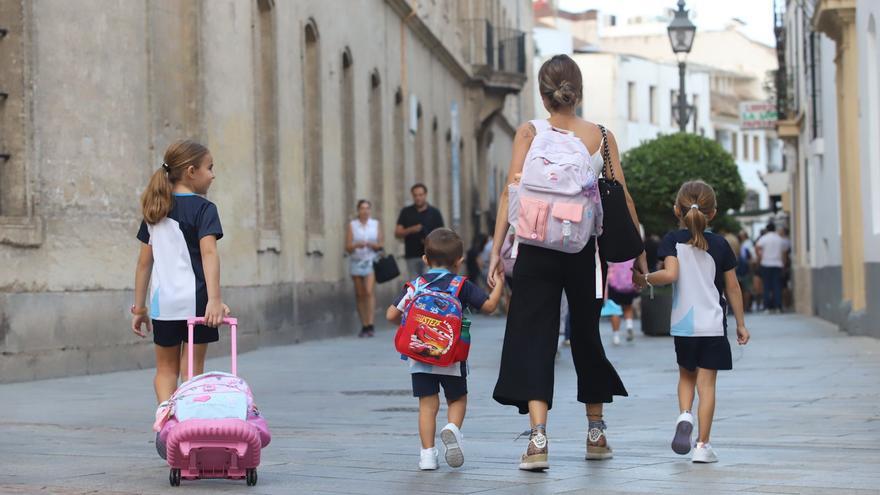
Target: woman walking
pixel 540 275
pixel 363 239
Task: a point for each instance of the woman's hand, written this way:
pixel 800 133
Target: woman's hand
pixel 638 278
pixel 215 311
pixel 137 321
pixel 494 269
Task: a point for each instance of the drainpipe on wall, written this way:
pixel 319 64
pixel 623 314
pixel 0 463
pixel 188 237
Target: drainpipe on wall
pixel 403 66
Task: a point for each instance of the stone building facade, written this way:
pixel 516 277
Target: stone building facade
pixel 306 106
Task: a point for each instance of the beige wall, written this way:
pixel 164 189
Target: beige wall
pixel 106 100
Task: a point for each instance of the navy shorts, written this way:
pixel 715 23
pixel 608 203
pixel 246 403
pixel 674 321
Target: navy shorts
pixel 622 298
pixel 172 333
pixel 709 353
pixel 427 384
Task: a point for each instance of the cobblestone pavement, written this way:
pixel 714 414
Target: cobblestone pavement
pixel 799 414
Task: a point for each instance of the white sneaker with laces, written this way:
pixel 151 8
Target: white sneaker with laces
pixel 616 338
pixel 684 426
pixel 704 454
pixel 428 460
pixel 450 435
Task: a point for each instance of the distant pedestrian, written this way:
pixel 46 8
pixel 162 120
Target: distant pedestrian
pixel 701 266
pixel 622 291
pixel 179 261
pixel 772 254
pixel 363 239
pixel 787 296
pixel 414 223
pixel 745 266
pixel 443 255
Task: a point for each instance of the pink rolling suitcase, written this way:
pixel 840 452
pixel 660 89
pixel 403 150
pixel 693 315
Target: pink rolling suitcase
pixel 210 427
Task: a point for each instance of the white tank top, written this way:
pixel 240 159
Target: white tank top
pixel 361 233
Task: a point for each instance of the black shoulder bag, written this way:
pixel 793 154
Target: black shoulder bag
pixel 620 240
pixel 385 268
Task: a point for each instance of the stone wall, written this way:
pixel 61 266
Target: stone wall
pixel 101 104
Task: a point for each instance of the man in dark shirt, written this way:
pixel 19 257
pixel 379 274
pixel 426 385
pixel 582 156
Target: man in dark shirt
pixel 413 225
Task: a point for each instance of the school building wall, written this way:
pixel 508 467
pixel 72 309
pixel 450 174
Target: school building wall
pixel 270 87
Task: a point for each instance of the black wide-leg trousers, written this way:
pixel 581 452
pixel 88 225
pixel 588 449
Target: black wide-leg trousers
pixel 530 341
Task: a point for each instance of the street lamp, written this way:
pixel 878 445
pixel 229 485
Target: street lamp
pixel 681 36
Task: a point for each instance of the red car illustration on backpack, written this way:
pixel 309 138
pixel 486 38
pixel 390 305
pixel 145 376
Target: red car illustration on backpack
pixel 430 331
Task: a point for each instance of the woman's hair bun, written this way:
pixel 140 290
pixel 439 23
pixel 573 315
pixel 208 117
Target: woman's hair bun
pixel 565 94
pixel 560 82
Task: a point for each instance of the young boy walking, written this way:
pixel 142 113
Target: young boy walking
pixel 443 256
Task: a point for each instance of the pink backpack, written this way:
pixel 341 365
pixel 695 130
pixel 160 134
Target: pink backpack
pixel 620 277
pixel 556 205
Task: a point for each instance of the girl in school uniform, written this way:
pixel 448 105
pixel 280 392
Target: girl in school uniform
pixel 702 268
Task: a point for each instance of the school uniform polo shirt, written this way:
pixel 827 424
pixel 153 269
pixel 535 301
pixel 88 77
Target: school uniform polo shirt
pixel 177 284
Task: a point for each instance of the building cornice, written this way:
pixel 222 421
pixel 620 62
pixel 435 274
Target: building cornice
pixel 831 16
pixel 409 17
pixel 790 129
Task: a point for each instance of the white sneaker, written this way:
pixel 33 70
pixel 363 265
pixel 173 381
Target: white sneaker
pixel 684 426
pixel 428 460
pixel 703 453
pixel 450 435
pixel 615 339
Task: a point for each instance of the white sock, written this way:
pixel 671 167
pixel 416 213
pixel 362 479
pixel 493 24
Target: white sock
pixel 629 324
pixel 429 450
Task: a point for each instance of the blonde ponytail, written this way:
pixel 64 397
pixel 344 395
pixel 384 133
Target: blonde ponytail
pixel 156 201
pixel 696 221
pixel 695 203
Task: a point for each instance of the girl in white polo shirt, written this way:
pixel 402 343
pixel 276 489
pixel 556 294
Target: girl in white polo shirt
pixel 702 268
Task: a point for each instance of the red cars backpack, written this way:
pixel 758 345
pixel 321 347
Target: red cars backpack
pixel 430 331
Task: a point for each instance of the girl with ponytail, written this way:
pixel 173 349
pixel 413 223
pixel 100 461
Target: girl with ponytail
pixel 178 260
pixel 702 267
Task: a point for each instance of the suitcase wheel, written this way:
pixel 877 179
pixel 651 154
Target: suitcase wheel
pixel 251 476
pixel 174 477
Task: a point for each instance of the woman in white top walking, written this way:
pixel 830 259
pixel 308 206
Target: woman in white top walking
pixel 363 238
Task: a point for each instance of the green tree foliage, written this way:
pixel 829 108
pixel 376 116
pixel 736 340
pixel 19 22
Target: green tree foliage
pixel 656 169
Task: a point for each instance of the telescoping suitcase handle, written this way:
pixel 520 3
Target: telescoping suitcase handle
pixel 200 320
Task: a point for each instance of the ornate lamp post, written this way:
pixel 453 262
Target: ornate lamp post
pixel 681 36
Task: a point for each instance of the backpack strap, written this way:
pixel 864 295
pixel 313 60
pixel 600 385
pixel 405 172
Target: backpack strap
pixel 418 285
pixel 540 125
pixel 455 285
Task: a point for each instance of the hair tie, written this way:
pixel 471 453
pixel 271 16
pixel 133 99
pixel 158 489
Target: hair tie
pixel 166 167
pixel 695 207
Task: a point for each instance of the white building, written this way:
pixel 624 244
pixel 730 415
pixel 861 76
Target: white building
pixel 630 95
pixel 634 96
pixel 738 68
pixel 646 60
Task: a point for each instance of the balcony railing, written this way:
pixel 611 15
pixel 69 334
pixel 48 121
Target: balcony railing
pixel 496 49
pixel 511 50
